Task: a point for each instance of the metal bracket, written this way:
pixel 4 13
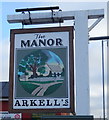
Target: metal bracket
pixel 30 20
pixel 30 17
pixel 52 15
pixel 60 17
pixel 95 23
pixel 23 22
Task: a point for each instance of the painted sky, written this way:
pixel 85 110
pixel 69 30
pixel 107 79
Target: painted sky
pixel 94 47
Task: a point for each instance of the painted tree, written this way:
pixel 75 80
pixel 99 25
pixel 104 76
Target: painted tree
pixel 32 61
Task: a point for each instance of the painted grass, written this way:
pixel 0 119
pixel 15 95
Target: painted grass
pixel 52 89
pixel 28 86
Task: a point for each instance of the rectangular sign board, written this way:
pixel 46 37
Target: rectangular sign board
pixel 42 70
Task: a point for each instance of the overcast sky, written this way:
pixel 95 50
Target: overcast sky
pixel 94 47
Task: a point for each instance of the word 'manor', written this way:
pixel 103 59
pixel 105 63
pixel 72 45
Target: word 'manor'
pixel 41 42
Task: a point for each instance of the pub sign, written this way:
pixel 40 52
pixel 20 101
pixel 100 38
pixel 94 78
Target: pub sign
pixel 41 70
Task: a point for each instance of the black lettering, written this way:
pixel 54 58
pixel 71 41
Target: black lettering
pixel 50 42
pixel 66 103
pixel 33 103
pixel 58 42
pixel 48 103
pixel 36 36
pixel 56 103
pixel 39 36
pixel 25 44
pixel 42 42
pixel 33 43
pixel 41 103
pixel 17 103
pixel 25 103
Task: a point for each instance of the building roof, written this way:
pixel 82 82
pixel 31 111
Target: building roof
pixel 55 68
pixel 4 89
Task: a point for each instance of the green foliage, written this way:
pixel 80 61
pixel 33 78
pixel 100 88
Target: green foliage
pixel 32 61
pixel 37 57
pixel 41 70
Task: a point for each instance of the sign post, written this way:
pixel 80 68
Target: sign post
pixel 42 70
pixel 81 63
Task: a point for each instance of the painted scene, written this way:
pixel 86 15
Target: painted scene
pixel 41 72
